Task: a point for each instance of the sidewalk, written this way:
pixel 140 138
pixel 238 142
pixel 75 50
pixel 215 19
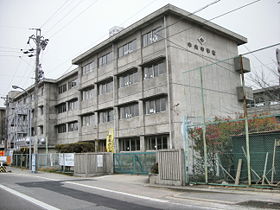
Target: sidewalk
pixel 204 194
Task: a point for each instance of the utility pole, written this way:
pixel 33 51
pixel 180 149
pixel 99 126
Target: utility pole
pixel 246 122
pixel 41 44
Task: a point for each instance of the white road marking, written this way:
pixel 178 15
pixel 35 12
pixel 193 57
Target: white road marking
pixel 28 198
pixel 121 193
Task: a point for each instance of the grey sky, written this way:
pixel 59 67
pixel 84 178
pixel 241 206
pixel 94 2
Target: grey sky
pixel 80 24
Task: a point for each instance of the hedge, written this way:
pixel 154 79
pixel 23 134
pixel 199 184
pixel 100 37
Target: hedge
pixel 79 147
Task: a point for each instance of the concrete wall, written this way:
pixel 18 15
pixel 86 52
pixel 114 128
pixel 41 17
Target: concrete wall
pixel 93 164
pixel 171 168
pixel 219 81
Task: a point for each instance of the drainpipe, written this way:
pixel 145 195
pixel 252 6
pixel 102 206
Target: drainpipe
pixel 168 85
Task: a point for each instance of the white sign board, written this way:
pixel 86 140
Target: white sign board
pixel 99 159
pixel 69 159
pixel 66 159
pixel 33 163
pixel 60 159
pixel 3 159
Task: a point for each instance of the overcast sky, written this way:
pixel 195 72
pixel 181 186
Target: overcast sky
pixel 77 25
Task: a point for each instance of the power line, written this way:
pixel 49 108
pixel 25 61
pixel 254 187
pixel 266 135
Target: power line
pixel 216 17
pixel 54 13
pixel 215 63
pixel 73 18
pixel 68 13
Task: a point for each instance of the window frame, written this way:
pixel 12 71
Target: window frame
pixel 154 70
pixel 105 59
pixel 128 78
pixel 129 111
pixel 152 36
pixel 124 142
pixel 127 48
pixel 157 142
pixel 152 105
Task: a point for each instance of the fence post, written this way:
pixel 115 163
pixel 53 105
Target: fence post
pixel 21 160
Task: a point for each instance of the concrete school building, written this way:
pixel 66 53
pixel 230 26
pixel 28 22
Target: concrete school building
pixel 133 84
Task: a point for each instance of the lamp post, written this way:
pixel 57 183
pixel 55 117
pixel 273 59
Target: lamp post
pixel 29 123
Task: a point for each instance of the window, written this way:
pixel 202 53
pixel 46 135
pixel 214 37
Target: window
pixel 106 116
pixel 41 130
pixel 154 70
pixel 61 128
pixel 129 111
pixel 88 68
pixel 62 88
pixel 156 142
pixel 128 79
pixel 73 104
pixel 105 87
pixel 152 36
pixel 129 144
pixel 61 108
pixel 41 110
pixel 88 120
pixel 73 126
pixel 102 146
pixel 155 106
pixel 88 93
pixel 105 59
pixel 127 48
pixel 72 84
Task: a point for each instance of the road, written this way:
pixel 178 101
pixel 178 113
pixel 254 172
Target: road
pixel 35 192
pixel 24 190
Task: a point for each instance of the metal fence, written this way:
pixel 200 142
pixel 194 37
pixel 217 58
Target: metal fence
pixel 50 160
pixel 134 163
pixel 229 136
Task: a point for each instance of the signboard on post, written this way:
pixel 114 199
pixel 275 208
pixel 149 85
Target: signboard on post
pixel 33 165
pixel 277 142
pixel 66 159
pixel 69 159
pixel 3 159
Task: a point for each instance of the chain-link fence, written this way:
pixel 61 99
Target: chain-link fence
pixel 232 134
pixel 50 160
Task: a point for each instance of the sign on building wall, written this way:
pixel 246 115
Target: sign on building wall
pixel 110 141
pixel 99 160
pixel 66 159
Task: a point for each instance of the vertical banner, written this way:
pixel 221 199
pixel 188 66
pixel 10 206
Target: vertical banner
pixel 110 141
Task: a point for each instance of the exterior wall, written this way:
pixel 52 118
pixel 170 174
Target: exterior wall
pixel 219 83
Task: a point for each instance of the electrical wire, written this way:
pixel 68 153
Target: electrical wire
pixel 68 13
pixel 64 3
pixel 74 18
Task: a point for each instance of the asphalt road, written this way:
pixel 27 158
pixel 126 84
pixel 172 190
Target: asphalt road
pixel 33 192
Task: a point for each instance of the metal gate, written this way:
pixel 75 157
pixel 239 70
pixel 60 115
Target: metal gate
pixel 134 163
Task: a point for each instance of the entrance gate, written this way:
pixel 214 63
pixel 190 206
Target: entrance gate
pixel 134 163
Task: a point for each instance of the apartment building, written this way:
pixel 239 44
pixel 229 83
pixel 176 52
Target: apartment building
pixel 134 84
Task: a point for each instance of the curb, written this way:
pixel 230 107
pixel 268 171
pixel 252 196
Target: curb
pixel 217 190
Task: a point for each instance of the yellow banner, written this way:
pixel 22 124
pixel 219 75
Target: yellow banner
pixel 110 141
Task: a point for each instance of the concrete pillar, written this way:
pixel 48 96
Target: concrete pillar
pixel 142 144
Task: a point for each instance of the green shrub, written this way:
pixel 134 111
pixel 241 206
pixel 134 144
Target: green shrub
pixel 79 147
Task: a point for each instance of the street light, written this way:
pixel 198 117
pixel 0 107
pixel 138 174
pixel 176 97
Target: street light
pixel 29 124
